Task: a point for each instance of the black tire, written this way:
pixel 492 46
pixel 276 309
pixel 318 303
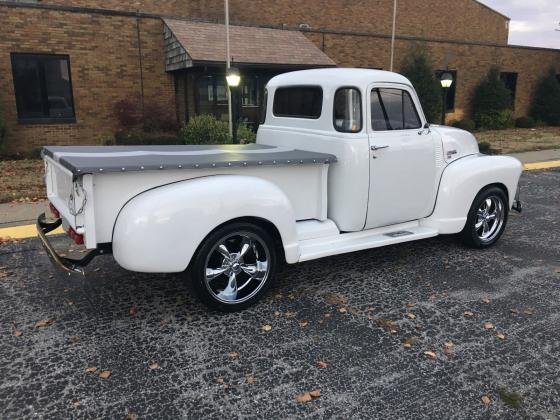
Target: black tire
pixel 216 293
pixel 474 236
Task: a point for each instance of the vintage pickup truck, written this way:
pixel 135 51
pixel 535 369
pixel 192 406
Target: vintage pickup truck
pixel 344 161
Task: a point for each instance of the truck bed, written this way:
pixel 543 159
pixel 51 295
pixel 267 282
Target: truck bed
pixel 82 160
pixel 90 185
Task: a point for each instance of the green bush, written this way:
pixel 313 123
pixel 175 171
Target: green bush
pixel 525 122
pixel 206 129
pixel 419 70
pixel 492 103
pixel 484 147
pixel 546 102
pixel 465 124
pixel 139 137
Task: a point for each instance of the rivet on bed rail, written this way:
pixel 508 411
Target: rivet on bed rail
pixel 301 161
pixel 288 161
pixel 123 169
pixel 160 166
pixel 274 162
pixel 229 164
pixel 180 166
pixel 197 166
pixel 260 163
pixel 213 165
pixel 100 169
pixel 244 163
pixel 141 168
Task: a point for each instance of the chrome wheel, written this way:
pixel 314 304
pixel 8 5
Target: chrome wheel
pixel 489 218
pixel 237 267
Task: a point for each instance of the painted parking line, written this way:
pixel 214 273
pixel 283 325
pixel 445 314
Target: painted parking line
pixel 24 232
pixel 541 165
pixel 30 231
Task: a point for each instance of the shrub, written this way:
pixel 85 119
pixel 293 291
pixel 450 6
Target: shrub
pixel 484 147
pixel 465 124
pixel 205 129
pixel 546 102
pixel 419 70
pixel 139 137
pixel 245 134
pixel 152 117
pixel 492 103
pixel 525 122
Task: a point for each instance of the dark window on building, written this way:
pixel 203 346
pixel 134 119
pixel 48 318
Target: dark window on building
pixel 263 109
pixel 558 77
pixel 393 109
pixel 510 80
pixel 298 102
pixel 43 88
pixel 450 105
pixel 347 112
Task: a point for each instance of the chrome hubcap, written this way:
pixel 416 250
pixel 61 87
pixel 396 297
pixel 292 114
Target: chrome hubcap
pixel 237 267
pixel 489 218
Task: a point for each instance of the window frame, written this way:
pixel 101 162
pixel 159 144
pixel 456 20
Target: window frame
pixel 43 120
pixel 319 87
pixel 402 88
pixel 361 110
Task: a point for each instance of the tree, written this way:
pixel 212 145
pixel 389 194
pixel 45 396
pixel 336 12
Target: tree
pixel 546 101
pixel 419 70
pixel 492 102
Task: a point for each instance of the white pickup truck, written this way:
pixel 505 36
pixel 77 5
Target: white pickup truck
pixel 344 161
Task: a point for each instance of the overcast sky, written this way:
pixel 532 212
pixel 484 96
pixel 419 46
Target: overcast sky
pixel 532 21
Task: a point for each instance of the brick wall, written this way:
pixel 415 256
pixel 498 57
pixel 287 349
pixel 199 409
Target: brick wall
pixel 105 68
pixel 471 61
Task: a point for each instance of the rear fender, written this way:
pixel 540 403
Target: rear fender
pixel 462 180
pixel 159 230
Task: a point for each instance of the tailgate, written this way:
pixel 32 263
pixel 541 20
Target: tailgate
pixel 68 194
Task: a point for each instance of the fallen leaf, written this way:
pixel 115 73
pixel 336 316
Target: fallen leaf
pixel 18 333
pixel 328 315
pixel 105 374
pixel 343 310
pixel 290 314
pixel 468 314
pixel 501 336
pixel 153 365
pixel 322 365
pixel 334 299
pixel 393 331
pixel 43 323
pixel 557 270
pixel 233 355
pixel 410 305
pixel 486 400
pixel 277 313
pixel 303 398
pixel 430 355
pixel 315 393
pixel 407 345
pixel 250 379
pixel 409 342
pixel 266 328
pixel 131 416
pixel 91 369
pixel 528 312
pixel 411 315
pixel 132 312
pixel 448 347
pixel 73 339
pixel 486 300
pixel 303 324
pixel 76 404
pixel 514 311
pixel 488 326
pixel 220 381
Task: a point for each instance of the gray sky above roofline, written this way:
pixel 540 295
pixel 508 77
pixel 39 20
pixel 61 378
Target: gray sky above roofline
pixel 533 22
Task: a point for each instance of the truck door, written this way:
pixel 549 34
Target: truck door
pixel 405 158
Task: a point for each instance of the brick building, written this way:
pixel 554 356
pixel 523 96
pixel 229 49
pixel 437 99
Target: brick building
pixel 64 64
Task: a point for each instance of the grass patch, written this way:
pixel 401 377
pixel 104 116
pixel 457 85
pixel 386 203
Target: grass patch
pixel 21 180
pixel 517 140
pixel 512 399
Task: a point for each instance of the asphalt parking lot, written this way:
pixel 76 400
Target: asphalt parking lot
pixel 356 327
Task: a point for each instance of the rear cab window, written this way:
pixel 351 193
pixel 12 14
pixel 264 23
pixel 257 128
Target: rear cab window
pixel 347 110
pixel 298 102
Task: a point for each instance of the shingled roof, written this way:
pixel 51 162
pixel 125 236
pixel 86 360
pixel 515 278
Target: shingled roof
pixel 191 43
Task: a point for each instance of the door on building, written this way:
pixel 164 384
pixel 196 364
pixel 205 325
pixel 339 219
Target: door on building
pixel 403 167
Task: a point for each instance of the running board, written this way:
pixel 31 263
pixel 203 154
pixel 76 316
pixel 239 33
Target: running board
pixel 357 241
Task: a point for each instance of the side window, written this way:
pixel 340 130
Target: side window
pixel 393 109
pixel 347 110
pixel 298 102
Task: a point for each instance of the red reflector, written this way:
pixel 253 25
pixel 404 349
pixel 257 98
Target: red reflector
pixel 54 211
pixel 76 237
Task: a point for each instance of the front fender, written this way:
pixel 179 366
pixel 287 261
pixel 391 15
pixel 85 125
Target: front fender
pixel 461 182
pixel 159 230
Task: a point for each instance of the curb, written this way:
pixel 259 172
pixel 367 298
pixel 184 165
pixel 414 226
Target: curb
pixel 30 231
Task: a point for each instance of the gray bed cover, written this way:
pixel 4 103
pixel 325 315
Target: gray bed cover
pixel 99 159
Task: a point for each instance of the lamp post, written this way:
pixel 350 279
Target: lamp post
pixel 233 78
pixel 393 34
pixel 446 82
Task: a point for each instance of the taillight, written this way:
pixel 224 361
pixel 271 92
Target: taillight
pixel 54 211
pixel 76 237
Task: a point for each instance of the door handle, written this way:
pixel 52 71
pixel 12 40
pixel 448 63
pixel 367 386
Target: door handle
pixel 374 148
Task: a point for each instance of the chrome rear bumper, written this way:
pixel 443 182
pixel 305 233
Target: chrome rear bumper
pixel 70 265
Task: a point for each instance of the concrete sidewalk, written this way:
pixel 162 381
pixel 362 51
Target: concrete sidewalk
pixel 16 214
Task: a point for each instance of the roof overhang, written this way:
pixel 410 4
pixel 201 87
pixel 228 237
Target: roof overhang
pixel 189 44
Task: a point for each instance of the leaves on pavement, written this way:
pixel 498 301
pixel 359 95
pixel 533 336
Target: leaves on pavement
pixel 105 374
pixel 486 400
pixel 308 396
pixel 322 365
pixel 430 355
pixel 132 312
pixel 266 328
pixel 501 336
pixel 488 326
pixel 91 369
pixel 153 365
pixel 233 355
pixel 43 323
pixel 468 314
